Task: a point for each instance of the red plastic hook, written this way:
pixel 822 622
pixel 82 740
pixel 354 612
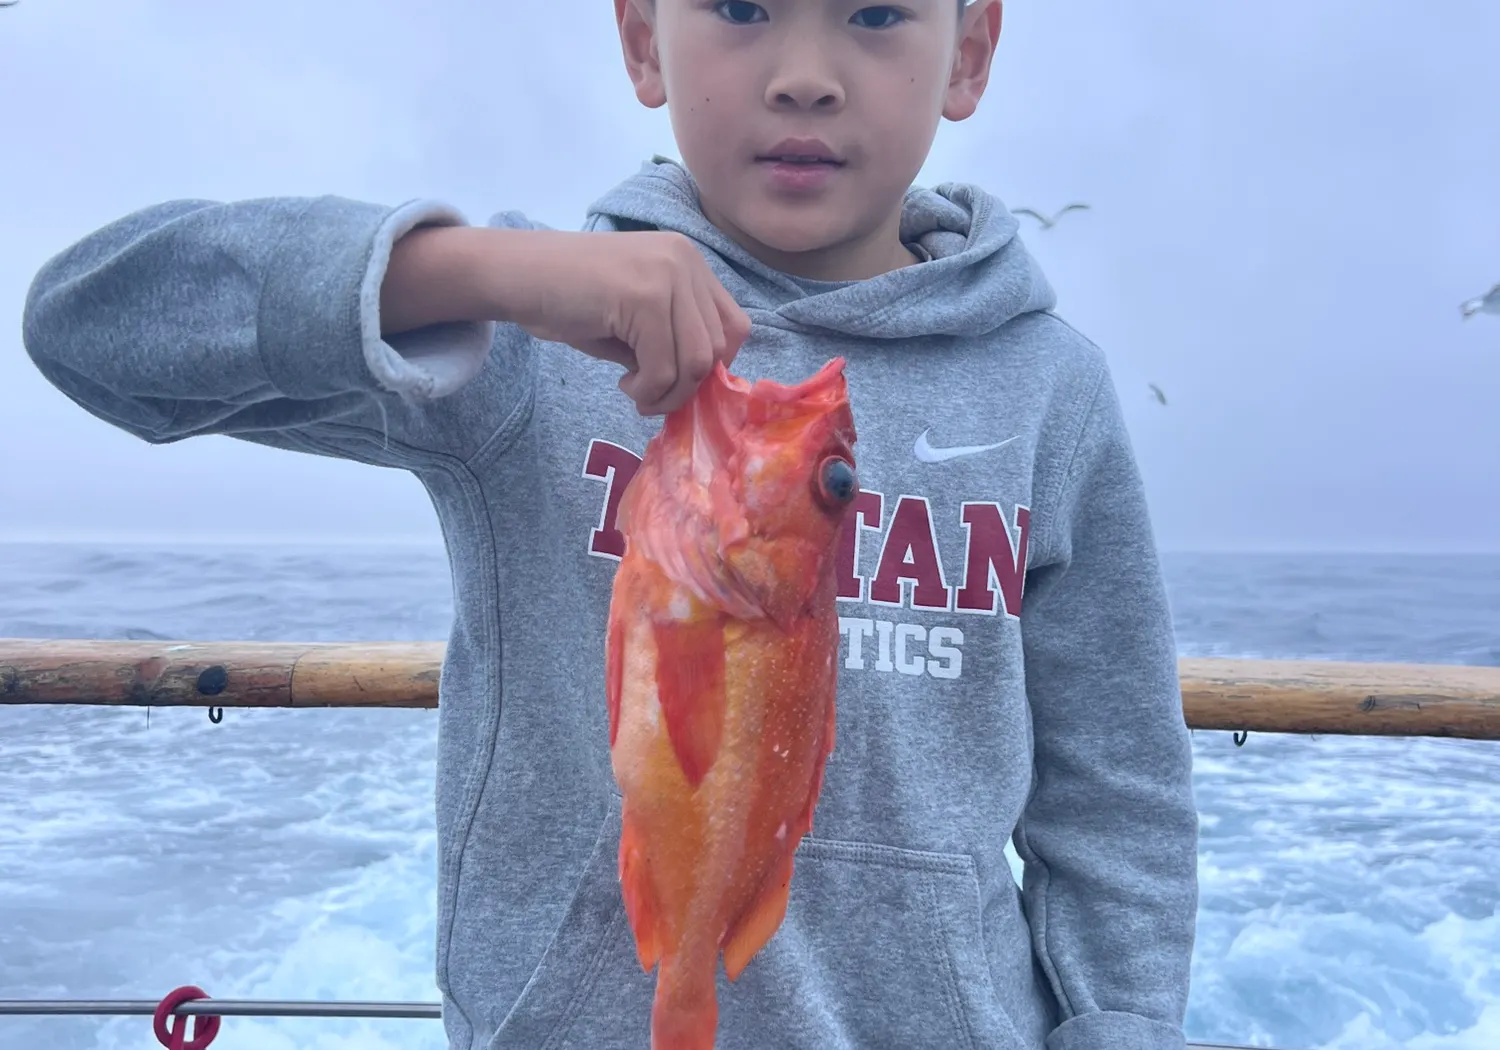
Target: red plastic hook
pixel 204 1027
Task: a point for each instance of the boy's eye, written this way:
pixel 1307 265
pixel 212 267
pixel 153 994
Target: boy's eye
pixel 877 17
pixel 741 12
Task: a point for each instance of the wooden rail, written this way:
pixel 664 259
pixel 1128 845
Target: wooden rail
pixel 1262 696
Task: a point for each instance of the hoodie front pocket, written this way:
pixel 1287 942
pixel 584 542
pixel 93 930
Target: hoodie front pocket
pixel 589 969
pixel 880 947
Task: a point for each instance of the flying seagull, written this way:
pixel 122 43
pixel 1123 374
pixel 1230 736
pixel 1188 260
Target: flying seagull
pixel 1489 302
pixel 1046 221
pixel 1156 390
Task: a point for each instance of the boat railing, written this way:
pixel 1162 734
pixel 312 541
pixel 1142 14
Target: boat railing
pixel 1242 696
pixel 1239 696
pixel 217 1008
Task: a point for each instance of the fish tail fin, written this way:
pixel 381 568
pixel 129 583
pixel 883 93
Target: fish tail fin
pixel 685 1013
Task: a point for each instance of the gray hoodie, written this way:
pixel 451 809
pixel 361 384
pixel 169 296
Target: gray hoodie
pixel 995 467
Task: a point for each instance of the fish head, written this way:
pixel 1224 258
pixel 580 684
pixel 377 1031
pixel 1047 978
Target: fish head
pixel 787 455
pixel 749 492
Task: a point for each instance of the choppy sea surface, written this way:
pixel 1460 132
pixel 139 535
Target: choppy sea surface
pixel 1349 887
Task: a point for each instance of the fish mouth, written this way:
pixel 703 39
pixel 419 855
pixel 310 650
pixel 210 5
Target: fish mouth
pixel 828 379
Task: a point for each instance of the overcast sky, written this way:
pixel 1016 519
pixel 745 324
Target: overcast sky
pixel 1289 203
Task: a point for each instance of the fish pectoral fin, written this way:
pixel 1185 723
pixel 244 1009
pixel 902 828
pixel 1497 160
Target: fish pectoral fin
pixel 614 671
pixel 690 690
pixel 760 921
pixel 639 896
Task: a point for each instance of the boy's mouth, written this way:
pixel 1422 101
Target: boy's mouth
pixel 801 152
pixel 793 159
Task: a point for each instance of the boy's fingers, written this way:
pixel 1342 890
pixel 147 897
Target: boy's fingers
pixel 655 355
pixel 614 350
pixel 708 309
pixel 733 318
pixel 695 356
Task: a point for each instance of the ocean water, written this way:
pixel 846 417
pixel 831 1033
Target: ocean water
pixel 1349 887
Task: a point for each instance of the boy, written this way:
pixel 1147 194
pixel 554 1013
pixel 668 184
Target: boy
pixel 993 462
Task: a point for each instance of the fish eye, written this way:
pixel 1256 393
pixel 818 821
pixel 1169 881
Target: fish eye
pixel 837 483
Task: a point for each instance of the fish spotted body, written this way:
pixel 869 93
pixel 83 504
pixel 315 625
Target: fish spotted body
pixel 721 668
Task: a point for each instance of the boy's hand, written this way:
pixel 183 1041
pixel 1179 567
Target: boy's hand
pixel 647 301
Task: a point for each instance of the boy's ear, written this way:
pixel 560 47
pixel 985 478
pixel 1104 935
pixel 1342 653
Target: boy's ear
pixel 979 33
pixel 637 22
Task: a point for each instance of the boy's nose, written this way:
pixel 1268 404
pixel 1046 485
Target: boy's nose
pixel 802 85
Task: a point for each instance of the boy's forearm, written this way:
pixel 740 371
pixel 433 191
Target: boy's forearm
pixel 440 274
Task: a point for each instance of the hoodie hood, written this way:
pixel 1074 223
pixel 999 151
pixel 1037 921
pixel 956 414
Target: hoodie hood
pixel 978 277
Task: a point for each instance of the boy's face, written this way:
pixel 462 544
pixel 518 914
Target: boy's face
pixel 804 122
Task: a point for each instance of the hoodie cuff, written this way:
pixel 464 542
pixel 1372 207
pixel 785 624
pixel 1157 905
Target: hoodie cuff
pixel 1111 1030
pixel 320 309
pixel 430 362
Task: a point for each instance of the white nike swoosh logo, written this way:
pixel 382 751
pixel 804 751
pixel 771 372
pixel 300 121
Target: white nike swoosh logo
pixel 926 453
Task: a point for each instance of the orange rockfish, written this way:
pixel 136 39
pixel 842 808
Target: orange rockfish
pixel 720 669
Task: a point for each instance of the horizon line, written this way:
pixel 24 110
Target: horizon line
pixel 407 540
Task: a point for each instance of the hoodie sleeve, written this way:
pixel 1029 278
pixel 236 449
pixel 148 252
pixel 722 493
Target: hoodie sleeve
pixel 1109 835
pixel 260 319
